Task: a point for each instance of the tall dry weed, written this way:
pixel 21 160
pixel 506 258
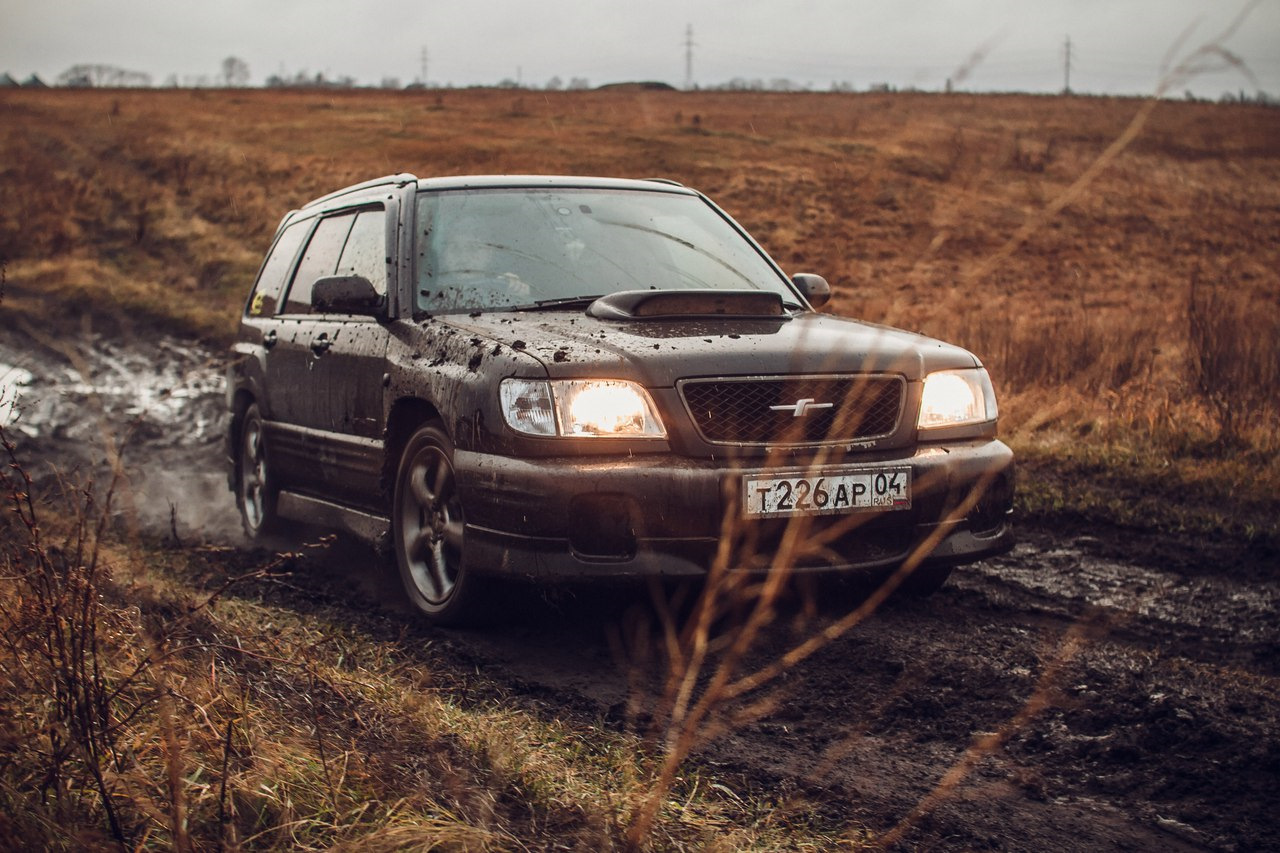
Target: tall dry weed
pixel 1233 360
pixel 91 719
pixel 63 712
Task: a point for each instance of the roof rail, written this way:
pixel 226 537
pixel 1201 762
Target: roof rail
pixel 665 181
pixel 387 180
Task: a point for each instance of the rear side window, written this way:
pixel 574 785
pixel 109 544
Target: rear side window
pixel 366 250
pixel 266 293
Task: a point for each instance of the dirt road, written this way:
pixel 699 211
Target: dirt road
pixel 1094 689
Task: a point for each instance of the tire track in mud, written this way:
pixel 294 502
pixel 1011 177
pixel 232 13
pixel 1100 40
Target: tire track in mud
pixel 1214 619
pixel 1161 730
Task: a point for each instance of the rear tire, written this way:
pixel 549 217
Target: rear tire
pixel 429 532
pixel 256 491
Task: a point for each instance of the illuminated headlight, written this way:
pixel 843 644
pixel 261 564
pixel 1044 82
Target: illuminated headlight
pixel 957 397
pixel 579 407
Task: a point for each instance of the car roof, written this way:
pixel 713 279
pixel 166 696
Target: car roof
pixel 462 182
pixel 550 181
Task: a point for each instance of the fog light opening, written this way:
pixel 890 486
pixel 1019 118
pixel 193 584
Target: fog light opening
pixel 993 507
pixel 602 527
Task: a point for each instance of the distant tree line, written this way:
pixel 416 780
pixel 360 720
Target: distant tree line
pixel 234 73
pixel 306 80
pixel 103 76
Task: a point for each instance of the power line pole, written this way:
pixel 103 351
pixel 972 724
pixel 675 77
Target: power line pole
pixel 1066 80
pixel 688 57
pixel 424 65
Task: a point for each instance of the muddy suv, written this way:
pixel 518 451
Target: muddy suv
pixel 571 377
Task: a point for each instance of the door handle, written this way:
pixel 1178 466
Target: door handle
pixel 269 338
pixel 320 344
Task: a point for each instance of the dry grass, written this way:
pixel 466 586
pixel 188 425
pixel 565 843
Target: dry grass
pixel 1131 331
pixel 149 703
pixel 1133 313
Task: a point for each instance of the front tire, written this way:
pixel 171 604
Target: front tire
pixel 256 491
pixel 429 532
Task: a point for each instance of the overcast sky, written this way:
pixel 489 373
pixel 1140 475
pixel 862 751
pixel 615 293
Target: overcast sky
pixel 1117 46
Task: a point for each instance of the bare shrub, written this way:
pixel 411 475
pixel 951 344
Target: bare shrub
pixel 52 626
pixel 1031 158
pixel 1085 349
pixel 84 678
pixel 1233 362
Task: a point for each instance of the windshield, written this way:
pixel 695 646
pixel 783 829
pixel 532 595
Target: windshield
pixel 504 249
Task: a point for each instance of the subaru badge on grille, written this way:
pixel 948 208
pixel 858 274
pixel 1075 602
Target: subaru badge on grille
pixel 802 407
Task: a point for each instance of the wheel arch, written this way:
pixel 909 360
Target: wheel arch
pixel 406 415
pixel 240 404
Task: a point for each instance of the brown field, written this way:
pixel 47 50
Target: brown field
pixel 1129 313
pixel 1125 297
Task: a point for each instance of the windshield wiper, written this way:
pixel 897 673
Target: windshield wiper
pixel 563 302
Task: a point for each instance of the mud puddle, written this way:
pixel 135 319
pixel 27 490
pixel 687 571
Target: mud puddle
pixel 172 391
pixel 12 381
pixel 161 408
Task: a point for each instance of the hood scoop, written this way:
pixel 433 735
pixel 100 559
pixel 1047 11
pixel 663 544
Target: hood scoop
pixel 677 304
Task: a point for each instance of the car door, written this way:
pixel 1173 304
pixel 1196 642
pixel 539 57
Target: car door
pixel 353 367
pixel 297 363
pixel 260 334
pixel 260 326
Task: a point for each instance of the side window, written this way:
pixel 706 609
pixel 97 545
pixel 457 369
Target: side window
pixel 366 251
pixel 320 259
pixel 266 292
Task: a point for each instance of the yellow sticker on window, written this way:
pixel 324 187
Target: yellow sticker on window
pixel 255 308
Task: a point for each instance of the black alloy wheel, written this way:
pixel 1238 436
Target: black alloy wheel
pixel 255 492
pixel 430 532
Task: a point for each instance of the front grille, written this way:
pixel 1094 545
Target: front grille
pixel 794 409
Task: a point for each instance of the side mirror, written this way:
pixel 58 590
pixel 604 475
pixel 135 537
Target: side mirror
pixel 813 287
pixel 347 294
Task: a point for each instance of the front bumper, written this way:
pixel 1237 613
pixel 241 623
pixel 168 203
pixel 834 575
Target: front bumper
pixel 666 515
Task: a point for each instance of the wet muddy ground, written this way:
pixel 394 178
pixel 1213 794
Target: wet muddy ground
pixel 1094 689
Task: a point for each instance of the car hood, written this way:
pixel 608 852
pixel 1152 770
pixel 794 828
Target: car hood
pixel 659 352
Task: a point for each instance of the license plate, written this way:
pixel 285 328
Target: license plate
pixel 829 492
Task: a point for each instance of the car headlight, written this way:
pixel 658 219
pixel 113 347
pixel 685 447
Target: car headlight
pixel 608 408
pixel 956 398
